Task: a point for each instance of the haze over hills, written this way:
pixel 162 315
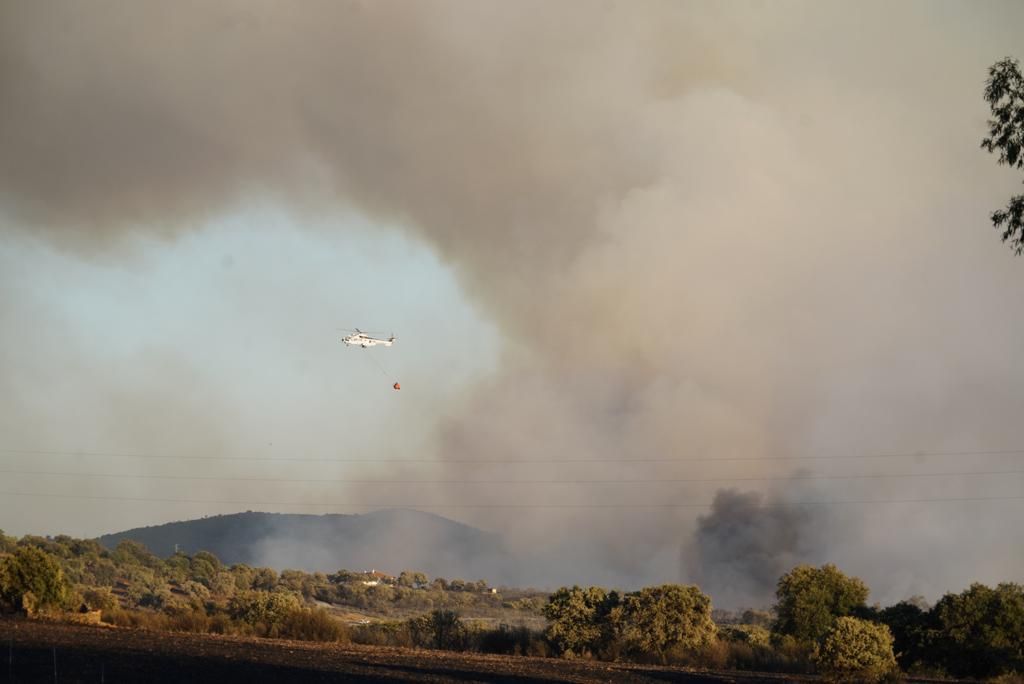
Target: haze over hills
pixel 682 292
pixel 390 540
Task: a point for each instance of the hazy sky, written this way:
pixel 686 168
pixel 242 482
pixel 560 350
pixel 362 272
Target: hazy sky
pixel 672 237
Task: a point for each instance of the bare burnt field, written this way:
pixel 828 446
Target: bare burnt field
pixel 35 651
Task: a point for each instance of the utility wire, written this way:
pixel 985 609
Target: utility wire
pixel 619 459
pixel 785 504
pixel 148 476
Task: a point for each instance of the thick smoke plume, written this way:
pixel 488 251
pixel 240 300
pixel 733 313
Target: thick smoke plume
pixel 742 547
pixel 705 231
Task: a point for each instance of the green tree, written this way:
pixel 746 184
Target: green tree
pixel 447 630
pixel 202 569
pixel 90 548
pixel 223 584
pixel 32 578
pixel 262 608
pixel 7 544
pixel 810 599
pixel 130 552
pixel 99 598
pixel 761 618
pixel 151 592
pixel 177 567
pixel 755 635
pixel 196 592
pixel 48 545
pixel 264 579
pixel 981 630
pixel 669 617
pixel 297 581
pixel 244 576
pixel 857 650
pixel 101 572
pixel 1004 92
pixel 575 617
pixel 380 595
pixel 343 576
pixel 909 624
pixel 408 578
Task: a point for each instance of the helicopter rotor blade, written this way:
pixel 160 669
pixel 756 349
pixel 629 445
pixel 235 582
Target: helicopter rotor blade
pixel 361 332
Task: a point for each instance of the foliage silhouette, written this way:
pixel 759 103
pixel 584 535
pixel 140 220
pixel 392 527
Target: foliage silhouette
pixel 1004 92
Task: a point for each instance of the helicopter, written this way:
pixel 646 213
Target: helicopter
pixel 364 340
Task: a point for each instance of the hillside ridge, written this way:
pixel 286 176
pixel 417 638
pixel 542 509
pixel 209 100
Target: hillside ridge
pixel 391 540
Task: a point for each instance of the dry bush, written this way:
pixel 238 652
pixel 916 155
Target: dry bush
pixel 384 634
pixel 712 656
pixel 312 625
pixel 725 654
pixel 115 616
pixel 136 619
pixel 99 598
pixel 538 647
pixel 758 658
pixel 188 620
pixel 221 624
pixel 857 650
pixel 505 640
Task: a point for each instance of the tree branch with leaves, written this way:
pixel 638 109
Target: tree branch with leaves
pixel 1004 92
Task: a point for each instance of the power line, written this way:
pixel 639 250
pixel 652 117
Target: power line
pixel 618 459
pixel 783 504
pixel 792 478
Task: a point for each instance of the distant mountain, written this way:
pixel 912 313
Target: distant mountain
pixel 390 540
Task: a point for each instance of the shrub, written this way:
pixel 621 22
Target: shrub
pixel 857 650
pixel 506 640
pixel 195 591
pixel 448 632
pixel 1012 678
pixel 263 609
pixel 755 635
pixel 132 553
pixel 136 619
pixel 221 624
pixel 440 629
pixel 150 594
pixel 714 655
pixel 99 598
pixel 188 620
pixel 763 658
pixel 384 634
pixel 115 616
pixel 312 625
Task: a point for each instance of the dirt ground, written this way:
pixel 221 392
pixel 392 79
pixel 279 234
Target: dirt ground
pixel 32 651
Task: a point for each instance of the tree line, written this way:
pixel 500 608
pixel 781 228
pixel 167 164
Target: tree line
pixel 820 621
